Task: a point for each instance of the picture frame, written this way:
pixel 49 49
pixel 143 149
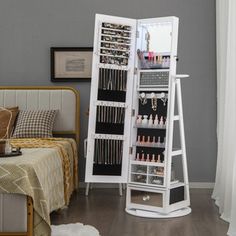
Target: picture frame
pixel 70 64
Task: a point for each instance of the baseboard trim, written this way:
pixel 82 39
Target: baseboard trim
pixel 207 185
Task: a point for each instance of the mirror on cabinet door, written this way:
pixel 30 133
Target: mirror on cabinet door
pixel 154 45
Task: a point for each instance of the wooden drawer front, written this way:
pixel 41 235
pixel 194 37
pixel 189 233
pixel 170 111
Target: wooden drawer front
pixel 146 198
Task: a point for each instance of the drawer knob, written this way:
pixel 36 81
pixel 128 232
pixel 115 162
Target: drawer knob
pixel 146 198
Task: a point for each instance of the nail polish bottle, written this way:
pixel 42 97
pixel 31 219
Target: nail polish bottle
pixel 153 157
pixel 150 121
pixel 138 140
pixel 153 140
pixel 159 141
pixel 148 157
pixel 161 121
pixel 148 140
pixel 156 121
pixel 143 140
pixel 159 158
pixel 142 159
pixel 155 58
pixel 137 157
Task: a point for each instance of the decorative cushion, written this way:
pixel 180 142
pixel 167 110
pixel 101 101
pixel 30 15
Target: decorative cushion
pixel 34 124
pixel 4 121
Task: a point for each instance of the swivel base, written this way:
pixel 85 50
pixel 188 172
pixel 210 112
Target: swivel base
pixel 151 214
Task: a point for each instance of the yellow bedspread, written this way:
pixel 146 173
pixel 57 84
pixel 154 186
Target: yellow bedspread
pixel 47 171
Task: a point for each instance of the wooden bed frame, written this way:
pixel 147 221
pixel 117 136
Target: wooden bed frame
pixel 30 220
pixel 74 132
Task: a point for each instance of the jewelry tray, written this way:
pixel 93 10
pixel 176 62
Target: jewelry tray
pixel 12 154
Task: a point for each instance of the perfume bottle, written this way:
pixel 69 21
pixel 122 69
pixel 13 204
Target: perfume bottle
pixel 145 120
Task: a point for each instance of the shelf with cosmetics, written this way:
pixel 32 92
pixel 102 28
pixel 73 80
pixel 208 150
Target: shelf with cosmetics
pixel 154 189
pixel 147 166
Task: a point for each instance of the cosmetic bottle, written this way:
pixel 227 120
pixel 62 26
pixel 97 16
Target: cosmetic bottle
pixel 139 119
pixel 145 120
pixel 153 157
pixel 150 121
pixel 156 121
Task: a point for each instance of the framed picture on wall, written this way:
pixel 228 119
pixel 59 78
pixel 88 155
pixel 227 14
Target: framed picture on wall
pixel 71 63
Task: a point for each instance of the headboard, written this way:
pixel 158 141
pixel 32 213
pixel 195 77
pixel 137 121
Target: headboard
pixel 63 99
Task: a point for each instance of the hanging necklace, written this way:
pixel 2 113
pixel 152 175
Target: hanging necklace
pixel 142 98
pixel 154 101
pixel 164 98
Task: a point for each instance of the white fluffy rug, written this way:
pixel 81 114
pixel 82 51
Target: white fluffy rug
pixel 76 229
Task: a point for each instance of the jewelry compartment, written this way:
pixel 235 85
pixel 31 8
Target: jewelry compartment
pixel 112 84
pixel 107 157
pixel 110 120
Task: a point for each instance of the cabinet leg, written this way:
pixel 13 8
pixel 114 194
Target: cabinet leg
pixel 124 186
pixel 87 189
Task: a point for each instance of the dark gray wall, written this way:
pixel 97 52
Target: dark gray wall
pixel 29 28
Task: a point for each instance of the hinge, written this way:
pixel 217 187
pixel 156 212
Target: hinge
pixel 133 112
pixel 137 34
pixel 135 70
pixel 130 150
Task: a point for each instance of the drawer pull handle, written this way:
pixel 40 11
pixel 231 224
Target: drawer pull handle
pixel 146 198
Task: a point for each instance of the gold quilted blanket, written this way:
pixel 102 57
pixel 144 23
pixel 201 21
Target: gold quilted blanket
pixel 47 171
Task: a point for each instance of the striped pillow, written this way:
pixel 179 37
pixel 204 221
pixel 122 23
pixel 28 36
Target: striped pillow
pixel 34 124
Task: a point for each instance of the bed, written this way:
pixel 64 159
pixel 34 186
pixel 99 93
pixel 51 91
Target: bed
pixel 49 164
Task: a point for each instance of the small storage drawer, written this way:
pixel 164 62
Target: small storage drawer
pixel 147 198
pixel 139 178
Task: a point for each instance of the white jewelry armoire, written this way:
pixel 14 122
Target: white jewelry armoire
pixel 135 110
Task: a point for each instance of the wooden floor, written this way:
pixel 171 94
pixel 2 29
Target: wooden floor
pixel 104 209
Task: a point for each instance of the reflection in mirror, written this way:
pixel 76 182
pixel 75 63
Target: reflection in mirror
pixel 154 45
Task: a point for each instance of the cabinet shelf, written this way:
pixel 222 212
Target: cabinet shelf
pixel 115 36
pixel 114 49
pixel 149 126
pixel 176 184
pixel 147 163
pixel 104 41
pixel 150 145
pixel 117 30
pixel 146 184
pixel 138 173
pixel 114 56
